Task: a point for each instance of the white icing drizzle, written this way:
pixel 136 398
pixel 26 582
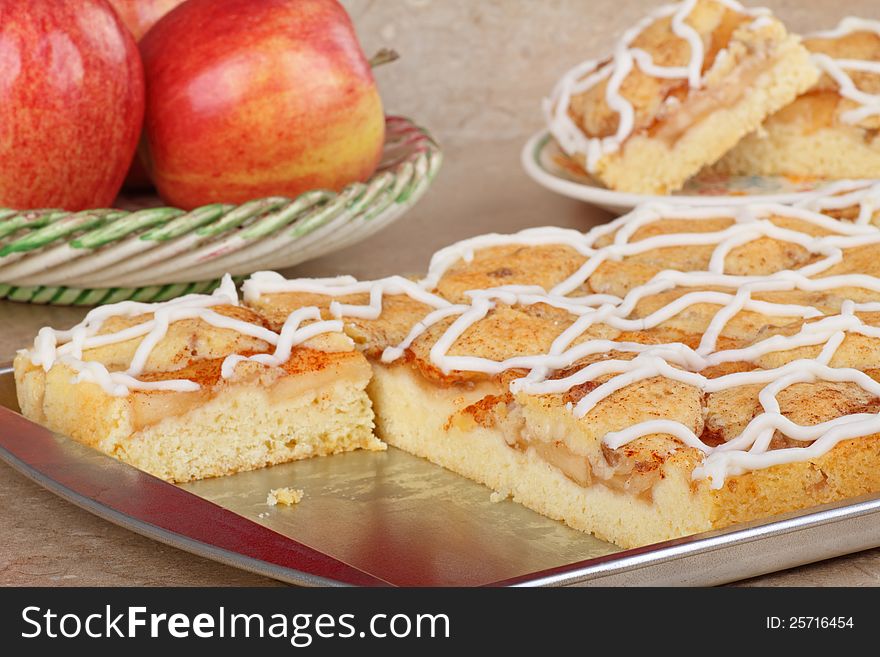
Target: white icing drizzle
pixel 731 293
pixel 291 335
pixel 843 194
pixel 674 361
pixel 446 257
pixel 67 347
pixel 869 104
pixel 586 75
pixel 264 282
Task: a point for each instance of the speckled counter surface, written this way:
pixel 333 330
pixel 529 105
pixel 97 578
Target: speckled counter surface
pixel 474 72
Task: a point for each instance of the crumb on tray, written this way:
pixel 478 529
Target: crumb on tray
pixel 498 496
pixel 286 496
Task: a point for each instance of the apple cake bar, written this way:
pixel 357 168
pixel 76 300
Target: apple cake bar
pixel 199 386
pixel 681 88
pixel 832 130
pixel 674 371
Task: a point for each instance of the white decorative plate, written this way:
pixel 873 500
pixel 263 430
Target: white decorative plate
pixel 152 254
pixel 549 166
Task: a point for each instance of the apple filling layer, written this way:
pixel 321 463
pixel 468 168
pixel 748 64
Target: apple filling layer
pixel 305 371
pixel 702 103
pixel 616 469
pixel 622 470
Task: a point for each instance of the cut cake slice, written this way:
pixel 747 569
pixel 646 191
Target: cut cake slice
pixel 199 386
pixel 680 89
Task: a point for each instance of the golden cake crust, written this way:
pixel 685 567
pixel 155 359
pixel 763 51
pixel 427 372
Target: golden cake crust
pixel 617 403
pixel 534 447
pixel 399 313
pixel 822 133
pixel 662 107
pixel 252 418
pixel 714 23
pixel 823 104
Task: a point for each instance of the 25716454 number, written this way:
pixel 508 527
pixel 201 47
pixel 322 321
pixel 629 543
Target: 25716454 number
pixel 809 622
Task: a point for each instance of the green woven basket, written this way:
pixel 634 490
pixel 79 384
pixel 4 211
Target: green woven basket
pixel 103 256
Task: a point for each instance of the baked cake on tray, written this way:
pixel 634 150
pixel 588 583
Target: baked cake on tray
pixel 680 89
pixel 674 371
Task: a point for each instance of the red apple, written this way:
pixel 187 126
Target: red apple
pixel 71 103
pixel 250 99
pixel 139 16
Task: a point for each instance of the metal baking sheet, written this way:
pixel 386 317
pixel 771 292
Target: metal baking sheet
pixel 389 518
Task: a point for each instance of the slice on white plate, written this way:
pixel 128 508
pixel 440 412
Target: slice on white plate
pixel 550 167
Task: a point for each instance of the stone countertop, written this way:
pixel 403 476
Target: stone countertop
pixel 481 188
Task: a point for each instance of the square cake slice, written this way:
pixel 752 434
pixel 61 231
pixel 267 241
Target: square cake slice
pixel 675 371
pixel 199 386
pixel 680 90
pixel 832 130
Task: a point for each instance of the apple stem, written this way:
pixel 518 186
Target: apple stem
pixel 384 56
